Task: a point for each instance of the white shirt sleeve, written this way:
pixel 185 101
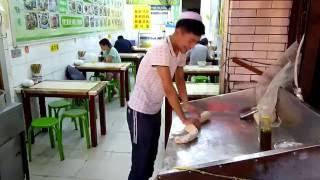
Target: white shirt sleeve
pixel 160 56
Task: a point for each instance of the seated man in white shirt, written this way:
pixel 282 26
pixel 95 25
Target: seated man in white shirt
pixel 153 83
pixel 199 52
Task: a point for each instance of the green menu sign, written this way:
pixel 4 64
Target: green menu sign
pixel 63 6
pixel 37 20
pixel 154 2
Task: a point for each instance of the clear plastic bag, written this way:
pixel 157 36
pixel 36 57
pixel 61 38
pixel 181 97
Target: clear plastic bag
pixel 275 77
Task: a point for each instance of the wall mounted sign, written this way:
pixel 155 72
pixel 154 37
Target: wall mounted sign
pixel 35 20
pixel 154 2
pixel 15 53
pixel 148 39
pixel 141 17
pixel 54 47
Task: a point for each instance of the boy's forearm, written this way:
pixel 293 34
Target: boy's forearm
pixel 175 104
pixel 181 85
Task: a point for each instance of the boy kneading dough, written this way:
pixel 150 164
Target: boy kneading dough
pixel 154 81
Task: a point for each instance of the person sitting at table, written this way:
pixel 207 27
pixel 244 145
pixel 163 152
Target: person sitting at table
pixel 123 45
pixel 110 55
pixel 199 52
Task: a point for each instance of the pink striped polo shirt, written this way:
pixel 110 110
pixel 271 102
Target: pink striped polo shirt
pixel 148 93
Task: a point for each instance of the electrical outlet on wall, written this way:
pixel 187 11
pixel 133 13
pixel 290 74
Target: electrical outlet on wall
pixel 15 53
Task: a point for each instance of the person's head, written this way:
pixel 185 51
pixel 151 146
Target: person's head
pixel 120 37
pixel 189 30
pixel 204 42
pixel 105 44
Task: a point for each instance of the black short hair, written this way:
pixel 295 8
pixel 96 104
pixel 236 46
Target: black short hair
pixel 105 42
pixel 191 25
pixel 120 37
pixel 204 41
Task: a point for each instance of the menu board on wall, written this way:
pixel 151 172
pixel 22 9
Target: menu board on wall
pixel 154 2
pixel 141 17
pixel 35 20
pixel 146 40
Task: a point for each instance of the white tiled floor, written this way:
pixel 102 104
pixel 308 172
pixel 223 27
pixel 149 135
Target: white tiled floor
pixel 111 160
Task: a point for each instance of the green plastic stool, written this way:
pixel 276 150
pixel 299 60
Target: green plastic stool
pixel 200 79
pixel 133 69
pixel 53 125
pixel 57 106
pixel 110 86
pixel 113 84
pixel 82 116
pixel 97 77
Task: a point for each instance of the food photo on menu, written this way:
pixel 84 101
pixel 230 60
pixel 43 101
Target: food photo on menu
pixel 54 21
pixel 43 5
pixel 31 21
pixel 92 21
pixel 101 22
pixel 79 7
pixel 43 20
pixel 30 4
pixel 86 9
pixel 86 21
pixel 101 11
pixel 95 10
pixel 53 5
pixel 72 7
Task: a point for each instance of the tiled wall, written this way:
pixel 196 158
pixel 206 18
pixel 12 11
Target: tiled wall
pixel 257 31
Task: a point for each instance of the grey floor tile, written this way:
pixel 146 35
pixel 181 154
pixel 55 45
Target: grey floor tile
pixel 94 169
pixel 35 177
pixel 57 168
pixel 106 165
pixel 117 142
pixel 120 125
pixel 59 178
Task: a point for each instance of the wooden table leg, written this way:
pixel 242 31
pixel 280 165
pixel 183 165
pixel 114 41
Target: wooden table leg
pixel 122 101
pixel 168 121
pixel 186 77
pixel 127 84
pixel 137 65
pixel 84 74
pixel 212 79
pixel 42 105
pixel 43 111
pixel 102 113
pixel 93 126
pixel 27 113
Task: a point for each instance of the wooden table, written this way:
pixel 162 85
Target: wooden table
pixel 194 91
pixel 68 89
pixel 134 58
pixel 195 70
pixel 121 68
pixel 139 49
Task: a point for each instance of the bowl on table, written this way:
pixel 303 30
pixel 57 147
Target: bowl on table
pixel 202 63
pixel 78 62
pixel 27 83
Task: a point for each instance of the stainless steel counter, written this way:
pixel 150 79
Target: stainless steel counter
pixel 225 137
pixel 13 154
